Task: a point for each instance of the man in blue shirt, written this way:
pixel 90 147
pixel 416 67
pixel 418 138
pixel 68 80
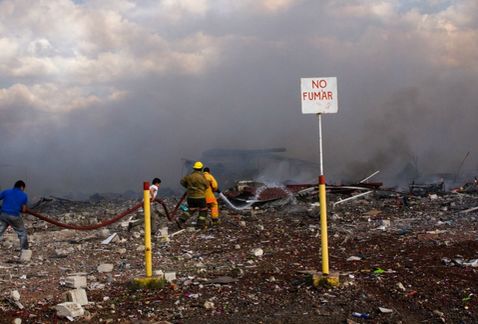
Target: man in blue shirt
pixel 14 203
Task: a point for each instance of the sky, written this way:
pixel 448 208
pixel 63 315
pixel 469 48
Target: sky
pixel 99 96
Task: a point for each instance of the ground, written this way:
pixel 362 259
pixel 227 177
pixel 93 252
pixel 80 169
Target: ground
pixel 416 261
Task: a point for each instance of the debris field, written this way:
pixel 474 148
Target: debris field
pixel 399 260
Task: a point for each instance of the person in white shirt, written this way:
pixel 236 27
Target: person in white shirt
pixel 153 189
pixel 156 215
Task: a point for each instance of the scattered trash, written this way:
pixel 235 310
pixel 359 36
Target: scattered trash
pixel 436 232
pixel 258 252
pixel 401 286
pixel 468 298
pixel 178 232
pixel 190 295
pixel 403 231
pixel 460 262
pixel 112 238
pixel 437 312
pixel 412 293
pixel 361 315
pixel 471 263
pixel 385 310
pixel 354 258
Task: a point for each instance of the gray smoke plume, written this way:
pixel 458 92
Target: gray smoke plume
pixel 101 97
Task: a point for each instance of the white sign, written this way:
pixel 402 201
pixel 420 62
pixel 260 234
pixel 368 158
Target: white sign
pixel 319 95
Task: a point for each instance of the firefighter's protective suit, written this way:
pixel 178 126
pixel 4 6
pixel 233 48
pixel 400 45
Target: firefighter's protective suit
pixel 196 185
pixel 211 200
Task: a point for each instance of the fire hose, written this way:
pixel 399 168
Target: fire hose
pixel 170 216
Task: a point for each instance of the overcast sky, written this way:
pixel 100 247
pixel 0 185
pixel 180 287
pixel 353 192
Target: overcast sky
pixel 101 95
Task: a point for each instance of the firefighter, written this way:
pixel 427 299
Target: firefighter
pixel 196 186
pixel 211 200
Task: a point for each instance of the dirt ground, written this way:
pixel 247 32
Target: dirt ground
pixel 416 262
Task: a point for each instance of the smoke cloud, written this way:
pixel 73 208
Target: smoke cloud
pixel 100 96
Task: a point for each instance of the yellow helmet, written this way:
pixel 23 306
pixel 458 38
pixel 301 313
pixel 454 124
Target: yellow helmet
pixel 197 165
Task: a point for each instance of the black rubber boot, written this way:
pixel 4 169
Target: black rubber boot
pixel 201 222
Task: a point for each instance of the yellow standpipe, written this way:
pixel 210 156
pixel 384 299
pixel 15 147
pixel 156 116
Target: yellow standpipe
pixel 147 231
pixel 323 226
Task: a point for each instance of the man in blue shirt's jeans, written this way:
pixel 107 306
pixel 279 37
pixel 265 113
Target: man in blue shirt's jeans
pixel 14 203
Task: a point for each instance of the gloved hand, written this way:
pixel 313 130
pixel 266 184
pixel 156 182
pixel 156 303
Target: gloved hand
pixel 218 190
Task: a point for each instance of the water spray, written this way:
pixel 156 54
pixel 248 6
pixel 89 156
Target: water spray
pixel 248 204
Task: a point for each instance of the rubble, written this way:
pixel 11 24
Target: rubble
pixel 423 190
pixel 341 201
pixel 69 309
pixel 469 210
pixel 105 267
pixel 164 236
pixel 77 296
pixel 170 276
pixel 64 253
pixel 76 282
pixel 15 295
pixel 14 299
pixel 390 256
pixel 25 256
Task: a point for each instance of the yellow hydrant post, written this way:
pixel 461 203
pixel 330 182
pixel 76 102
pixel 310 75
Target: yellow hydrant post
pixel 147 231
pixel 149 280
pixel 323 226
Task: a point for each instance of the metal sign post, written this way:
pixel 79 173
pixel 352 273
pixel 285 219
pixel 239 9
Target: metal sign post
pixel 319 96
